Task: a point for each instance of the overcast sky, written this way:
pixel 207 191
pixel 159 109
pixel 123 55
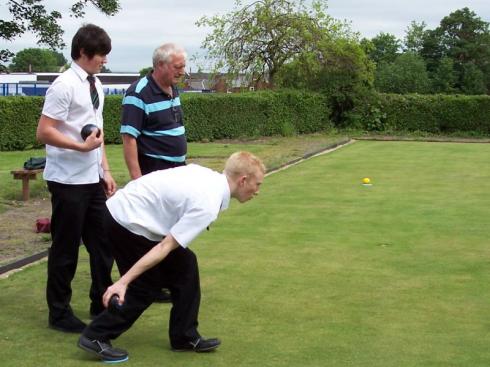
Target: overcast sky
pixel 142 25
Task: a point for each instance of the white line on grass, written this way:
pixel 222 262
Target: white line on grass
pixel 301 160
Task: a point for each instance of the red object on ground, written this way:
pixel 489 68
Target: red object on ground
pixel 43 225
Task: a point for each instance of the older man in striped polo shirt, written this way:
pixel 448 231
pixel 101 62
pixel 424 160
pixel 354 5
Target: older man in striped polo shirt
pixel 152 126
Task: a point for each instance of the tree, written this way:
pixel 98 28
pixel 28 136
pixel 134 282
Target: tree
pixel 472 81
pixel 464 38
pixel 60 58
pixel 32 16
pixel 407 74
pixel 383 48
pixel 432 50
pixel 444 78
pixel 338 68
pixel 145 71
pixel 414 37
pixel 37 59
pixel 260 38
pixel 335 67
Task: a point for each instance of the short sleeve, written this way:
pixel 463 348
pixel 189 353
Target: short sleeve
pixel 191 225
pixel 133 115
pixel 57 102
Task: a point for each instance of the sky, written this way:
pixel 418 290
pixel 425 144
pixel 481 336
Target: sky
pixel 141 26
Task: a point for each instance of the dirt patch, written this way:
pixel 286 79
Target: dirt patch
pixel 18 237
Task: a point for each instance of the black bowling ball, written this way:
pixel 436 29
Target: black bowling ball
pixel 87 130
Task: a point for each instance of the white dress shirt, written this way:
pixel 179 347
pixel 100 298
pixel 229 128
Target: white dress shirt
pixel 181 201
pixel 68 101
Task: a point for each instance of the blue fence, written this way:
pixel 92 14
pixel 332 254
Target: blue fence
pixel 23 89
pixel 39 89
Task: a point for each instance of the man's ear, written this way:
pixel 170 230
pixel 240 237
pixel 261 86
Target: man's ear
pixel 83 54
pixel 241 180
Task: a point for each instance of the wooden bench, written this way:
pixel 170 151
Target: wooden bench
pixel 25 175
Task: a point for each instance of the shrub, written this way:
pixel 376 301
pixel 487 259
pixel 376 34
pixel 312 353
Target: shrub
pixel 18 122
pixel 206 116
pixel 436 113
pixel 231 116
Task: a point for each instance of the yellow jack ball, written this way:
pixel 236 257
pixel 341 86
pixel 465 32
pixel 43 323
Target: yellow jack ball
pixel 366 180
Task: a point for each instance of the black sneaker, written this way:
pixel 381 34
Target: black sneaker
pixel 103 350
pixel 163 296
pixel 71 324
pixel 199 345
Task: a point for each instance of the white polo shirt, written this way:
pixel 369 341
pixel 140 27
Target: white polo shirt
pixel 68 100
pixel 181 201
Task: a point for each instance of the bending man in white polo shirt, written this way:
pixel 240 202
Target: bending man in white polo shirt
pixel 77 174
pixel 150 224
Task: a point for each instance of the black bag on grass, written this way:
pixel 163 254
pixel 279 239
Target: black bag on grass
pixel 35 163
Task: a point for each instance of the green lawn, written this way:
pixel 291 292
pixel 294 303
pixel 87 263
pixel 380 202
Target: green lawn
pixel 318 270
pixel 274 151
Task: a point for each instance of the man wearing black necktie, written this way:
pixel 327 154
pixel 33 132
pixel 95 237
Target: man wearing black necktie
pixel 78 177
pixel 94 94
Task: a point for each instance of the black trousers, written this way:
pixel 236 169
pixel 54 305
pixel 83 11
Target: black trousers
pixel 148 164
pixel 77 214
pixel 178 272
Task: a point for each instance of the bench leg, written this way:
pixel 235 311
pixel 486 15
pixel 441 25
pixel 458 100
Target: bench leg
pixel 25 188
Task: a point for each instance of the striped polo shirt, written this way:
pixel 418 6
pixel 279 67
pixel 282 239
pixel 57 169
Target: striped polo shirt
pixel 155 120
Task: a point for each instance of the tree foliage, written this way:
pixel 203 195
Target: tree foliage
pixel 338 68
pixel 456 56
pixel 145 71
pixel 32 16
pixel 464 38
pixel 472 80
pixel 414 37
pixel 37 60
pixel 383 48
pixel 258 39
pixel 444 78
pixel 407 74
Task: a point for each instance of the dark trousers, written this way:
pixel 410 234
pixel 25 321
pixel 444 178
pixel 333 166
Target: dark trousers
pixel 77 214
pixel 148 164
pixel 178 272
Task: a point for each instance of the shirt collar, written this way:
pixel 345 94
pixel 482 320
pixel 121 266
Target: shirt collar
pixel 82 74
pixel 156 88
pixel 226 194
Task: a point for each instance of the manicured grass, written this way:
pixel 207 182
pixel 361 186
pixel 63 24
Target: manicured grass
pixel 274 151
pixel 318 270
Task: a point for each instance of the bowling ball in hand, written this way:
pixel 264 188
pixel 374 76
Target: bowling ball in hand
pixel 114 305
pixel 87 130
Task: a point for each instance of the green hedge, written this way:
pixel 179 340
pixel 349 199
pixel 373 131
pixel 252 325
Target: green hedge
pixel 207 116
pixel 219 116
pixel 18 122
pixel 435 113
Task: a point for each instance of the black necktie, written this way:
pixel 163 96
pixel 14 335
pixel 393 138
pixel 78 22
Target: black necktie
pixel 93 91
